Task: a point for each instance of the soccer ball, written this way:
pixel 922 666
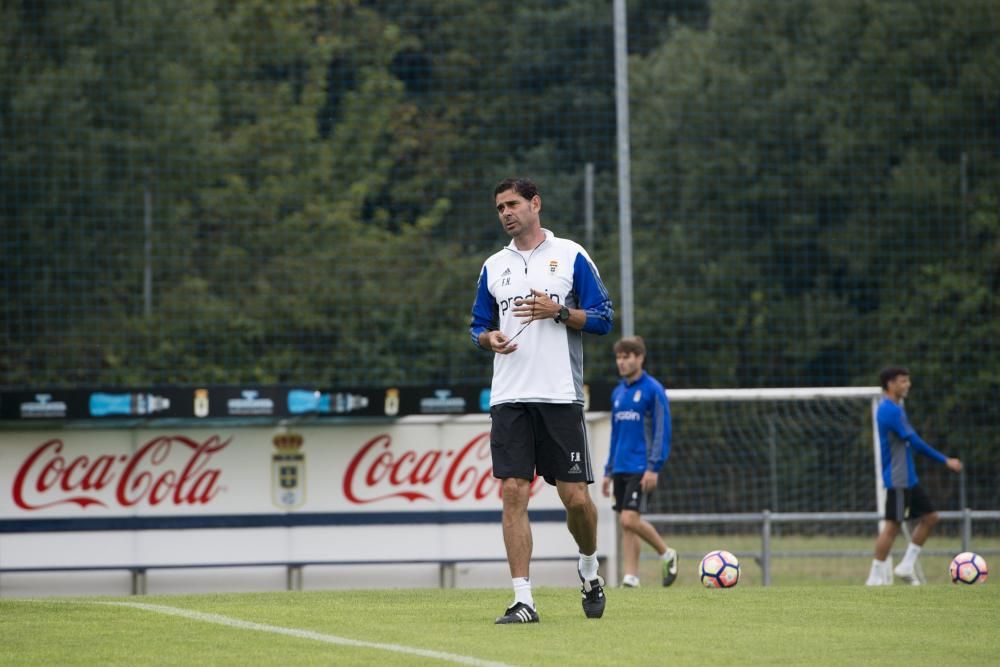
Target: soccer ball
pixel 968 568
pixel 719 569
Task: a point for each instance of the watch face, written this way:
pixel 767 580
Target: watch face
pixel 563 314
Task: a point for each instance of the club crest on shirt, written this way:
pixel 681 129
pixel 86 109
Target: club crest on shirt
pixel 553 265
pixel 637 396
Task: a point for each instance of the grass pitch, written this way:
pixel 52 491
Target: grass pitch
pixel 937 624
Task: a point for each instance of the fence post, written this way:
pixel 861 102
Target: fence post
pixel 293 577
pixel 966 529
pixel 765 547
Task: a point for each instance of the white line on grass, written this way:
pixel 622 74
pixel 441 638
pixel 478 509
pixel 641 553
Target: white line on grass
pixel 304 634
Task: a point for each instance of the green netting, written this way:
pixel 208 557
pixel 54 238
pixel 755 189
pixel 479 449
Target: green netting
pixel 204 191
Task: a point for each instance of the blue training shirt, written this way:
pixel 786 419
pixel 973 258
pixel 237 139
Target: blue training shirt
pixel 897 440
pixel 640 427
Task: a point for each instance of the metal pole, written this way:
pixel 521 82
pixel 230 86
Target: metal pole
pixel 765 547
pixel 963 197
pixel 962 499
pixel 966 517
pixel 619 552
pixel 588 206
pixel 624 167
pixel 966 529
pixel 877 447
pixel 147 274
pixel 772 451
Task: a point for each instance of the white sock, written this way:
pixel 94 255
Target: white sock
pixel 912 551
pixel 588 566
pixel 522 591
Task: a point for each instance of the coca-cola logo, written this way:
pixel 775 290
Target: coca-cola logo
pixel 378 472
pixel 167 469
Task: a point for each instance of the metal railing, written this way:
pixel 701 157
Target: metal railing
pixel 768 519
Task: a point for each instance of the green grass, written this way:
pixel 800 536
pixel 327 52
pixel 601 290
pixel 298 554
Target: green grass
pixel 938 624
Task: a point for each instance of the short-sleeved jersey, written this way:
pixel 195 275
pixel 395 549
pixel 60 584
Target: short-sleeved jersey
pixel 547 367
pixel 897 440
pixel 640 427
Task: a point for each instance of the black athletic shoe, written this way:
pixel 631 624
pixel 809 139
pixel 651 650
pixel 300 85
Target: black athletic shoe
pixel 670 567
pixel 593 596
pixel 518 613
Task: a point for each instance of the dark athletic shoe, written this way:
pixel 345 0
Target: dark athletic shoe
pixel 593 596
pixel 670 567
pixel 518 613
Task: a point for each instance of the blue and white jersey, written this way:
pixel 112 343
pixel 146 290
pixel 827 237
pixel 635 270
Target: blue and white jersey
pixel 897 440
pixel 640 427
pixel 547 366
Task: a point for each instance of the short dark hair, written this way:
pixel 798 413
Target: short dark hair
pixel 631 345
pixel 890 373
pixel 522 186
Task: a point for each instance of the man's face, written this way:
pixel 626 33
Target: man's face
pixel 899 386
pixel 629 364
pixel 516 213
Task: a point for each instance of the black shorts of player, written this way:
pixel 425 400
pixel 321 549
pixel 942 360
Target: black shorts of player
pixel 549 439
pixel 628 493
pixel 905 504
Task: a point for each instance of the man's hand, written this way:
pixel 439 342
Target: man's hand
pixel 606 486
pixel 954 465
pixel 648 482
pixel 497 341
pixel 538 306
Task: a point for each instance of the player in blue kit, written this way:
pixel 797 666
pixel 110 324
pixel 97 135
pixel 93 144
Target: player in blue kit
pixel 535 299
pixel 640 445
pixel 904 498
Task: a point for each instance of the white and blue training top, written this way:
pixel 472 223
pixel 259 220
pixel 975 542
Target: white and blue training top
pixel 547 366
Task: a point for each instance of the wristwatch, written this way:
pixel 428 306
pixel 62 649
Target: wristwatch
pixel 562 316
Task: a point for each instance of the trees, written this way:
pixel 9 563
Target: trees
pixel 101 103
pixel 319 172
pixel 802 155
pixel 218 112
pixel 823 177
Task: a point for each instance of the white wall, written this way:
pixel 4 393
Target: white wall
pixel 415 466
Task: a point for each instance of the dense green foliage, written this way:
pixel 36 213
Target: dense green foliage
pixel 815 188
pixel 825 177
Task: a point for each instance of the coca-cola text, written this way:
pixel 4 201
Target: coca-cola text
pixel 377 472
pixel 167 469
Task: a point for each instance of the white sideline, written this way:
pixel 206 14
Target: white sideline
pixel 301 634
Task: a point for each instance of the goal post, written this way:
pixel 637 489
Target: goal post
pixel 777 449
pixel 738 453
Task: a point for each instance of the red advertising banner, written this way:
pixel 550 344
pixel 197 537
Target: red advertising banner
pixel 252 470
pixel 419 488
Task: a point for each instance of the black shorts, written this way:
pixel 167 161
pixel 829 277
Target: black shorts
pixel 904 504
pixel 549 439
pixel 628 493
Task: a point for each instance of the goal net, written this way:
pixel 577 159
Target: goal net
pixel 784 450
